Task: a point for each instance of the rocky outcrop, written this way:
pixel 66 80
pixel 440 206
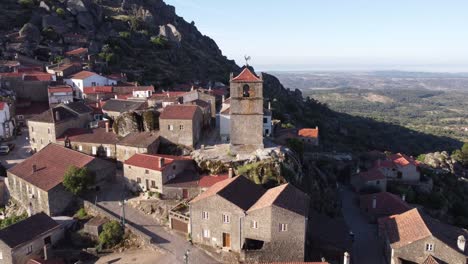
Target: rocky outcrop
pixel 30 33
pixel 125 124
pixel 443 161
pixel 170 32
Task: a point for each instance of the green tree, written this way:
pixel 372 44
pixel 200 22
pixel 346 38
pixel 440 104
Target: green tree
pixel 12 220
pixel 296 145
pixel 77 180
pixel 464 154
pixel 159 41
pixel 26 3
pixel 60 12
pixel 112 233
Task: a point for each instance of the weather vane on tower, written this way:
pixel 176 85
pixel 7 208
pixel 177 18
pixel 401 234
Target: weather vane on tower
pixel 247 58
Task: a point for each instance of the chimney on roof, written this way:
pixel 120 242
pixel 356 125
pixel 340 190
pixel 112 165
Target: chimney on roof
pixel 461 243
pixel 403 197
pixel 115 97
pixel 269 105
pixel 347 258
pixel 231 173
pixel 161 162
pixel 57 115
pixel 34 168
pixel 192 88
pixel 374 202
pixel 224 98
pixel 107 127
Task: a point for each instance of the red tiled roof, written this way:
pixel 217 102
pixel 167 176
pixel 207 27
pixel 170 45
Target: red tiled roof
pixel 86 135
pixel 97 89
pixel 11 74
pixel 129 89
pixel 123 96
pixel 384 164
pixel 239 191
pixel 151 162
pixel 431 260
pixel 286 196
pixel 403 160
pixel 51 164
pixel 60 89
pixel 2 105
pixel 308 132
pixel 207 181
pixel 77 51
pixel 246 76
pixel 179 112
pixel 414 225
pixel 386 204
pixel 82 75
pixel 37 76
pixel 371 175
pixel 167 94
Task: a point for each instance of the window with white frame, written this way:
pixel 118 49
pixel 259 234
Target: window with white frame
pixel 254 224
pixel 226 219
pixel 429 247
pixel 283 227
pixel 94 150
pixel 170 127
pixel 204 215
pixel 206 233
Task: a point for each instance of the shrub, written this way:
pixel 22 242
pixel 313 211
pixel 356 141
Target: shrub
pixel 159 41
pixel 60 12
pixel 81 214
pixel 26 3
pixel 112 233
pixel 124 34
pixel 12 220
pixel 77 180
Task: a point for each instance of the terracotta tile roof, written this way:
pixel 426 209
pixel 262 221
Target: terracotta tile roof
pixel 49 116
pixel 139 139
pixel 78 107
pixel 414 225
pixel 386 204
pixel 78 51
pixel 27 230
pixel 246 76
pixel 384 164
pixel 51 164
pixel 207 181
pixel 37 76
pixel 151 162
pixel 97 89
pixel 7 63
pixel 371 175
pixel 87 135
pixel 186 179
pixel 308 132
pixel 200 103
pixel 403 160
pixel 35 108
pixel 2 105
pixel 185 112
pixel 285 196
pixel 123 96
pixel 239 190
pixel 60 89
pixel 431 260
pixel 82 75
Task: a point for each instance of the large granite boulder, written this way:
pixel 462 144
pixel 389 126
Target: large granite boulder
pixel 76 6
pixel 55 22
pixel 30 33
pixel 170 32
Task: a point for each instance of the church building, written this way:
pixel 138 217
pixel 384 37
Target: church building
pixel 245 113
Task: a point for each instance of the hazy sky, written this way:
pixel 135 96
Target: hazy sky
pixel 333 34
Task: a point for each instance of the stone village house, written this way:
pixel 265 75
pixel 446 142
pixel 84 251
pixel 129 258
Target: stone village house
pixel 414 237
pixel 85 79
pixel 26 239
pixel 238 215
pixel 36 183
pixel 46 127
pixel 145 172
pixel 181 124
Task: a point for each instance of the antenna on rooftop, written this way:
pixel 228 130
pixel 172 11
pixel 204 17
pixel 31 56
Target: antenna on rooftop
pixel 247 58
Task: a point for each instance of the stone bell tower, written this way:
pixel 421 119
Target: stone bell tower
pixel 246 111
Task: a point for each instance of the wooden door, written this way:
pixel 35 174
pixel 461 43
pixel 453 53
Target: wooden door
pixel 185 193
pixel 226 240
pixel 147 184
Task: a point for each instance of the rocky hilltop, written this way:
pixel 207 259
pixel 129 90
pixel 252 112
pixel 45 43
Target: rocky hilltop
pixel 144 38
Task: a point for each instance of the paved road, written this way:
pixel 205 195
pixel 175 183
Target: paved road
pixel 366 247
pixel 20 152
pixel 174 244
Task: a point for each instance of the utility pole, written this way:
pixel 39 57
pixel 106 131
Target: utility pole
pixel 122 215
